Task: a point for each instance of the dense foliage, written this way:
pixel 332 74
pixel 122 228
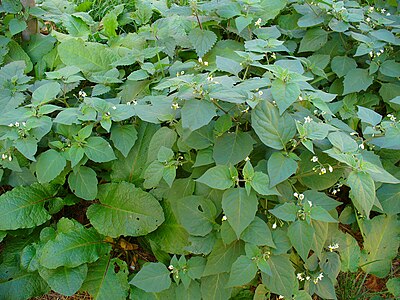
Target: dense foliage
pixel 243 143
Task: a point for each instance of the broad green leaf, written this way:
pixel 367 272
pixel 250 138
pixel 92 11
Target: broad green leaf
pixel 380 244
pixel 125 210
pixel 231 148
pixel 228 65
pixel 356 80
pixel 313 40
pixel 330 264
pixel 88 57
pixel 240 208
pixel 202 40
pixel 124 137
pixel 153 277
pixel 282 281
pixel 260 183
pixel 258 233
pixel 222 257
pixel 23 207
pixel 46 93
pixel 284 93
pixel 38 46
pixel 320 214
pixel 271 8
pixel 349 251
pixel 83 182
pixel 153 174
pixel 301 236
pixel 130 168
pixel 16 26
pixel 341 65
pixel 164 137
pixel 362 191
pixel 107 279
pixel 343 141
pixel 243 271
pixel 320 236
pixel 27 146
pixel 49 165
pixel 272 129
pixel 389 196
pixel 393 285
pixel 76 26
pixel 98 150
pixel 280 168
pixel 66 281
pixel 73 248
pixel 197 113
pixel 218 177
pixel 325 288
pixel 390 68
pixel 196 214
pixel 215 287
pixel 369 116
pixel 286 212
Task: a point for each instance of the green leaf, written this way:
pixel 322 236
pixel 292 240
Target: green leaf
pixel 243 271
pixel 49 165
pixel 23 207
pixel 367 115
pixel 16 26
pixel 282 280
pixel 215 287
pixel 218 177
pixel 164 137
pixel 258 233
pixel 286 212
pixel 381 244
pixel 260 183
pixel 46 93
pixel 393 286
pixel 196 214
pixel 107 279
pixel 125 210
pixel 320 236
pixel 313 40
pixel 287 166
pixel 124 137
pixel 153 175
pixel 362 191
pixel 240 208
pixel 301 235
pixel 88 57
pixel 349 251
pixel 356 80
pixel 75 26
pixel 320 214
pixel 228 65
pixel 38 46
pixel 73 248
pixel 197 113
pixel 389 195
pixel 222 257
pixel 271 8
pixel 83 182
pixel 98 150
pixel 66 281
pixel 27 146
pixel 272 129
pixel 153 277
pixel 231 148
pixel 202 40
pixel 341 65
pixel 390 68
pixel 284 93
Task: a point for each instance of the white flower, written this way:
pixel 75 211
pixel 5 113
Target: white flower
pixel 323 171
pixel 114 107
pixel 273 55
pixel 182 72
pixel 301 197
pixel 320 276
pixel 353 133
pixel 334 192
pixel 224 218
pixel 371 54
pixel 170 267
pixel 206 63
pixel 300 276
pixel 309 203
pixel 24 124
pixel 82 94
pixel 210 78
pixel 16 124
pixel 281 297
pixel 307 119
pixel 314 158
pixel 308 277
pixel 3 156
pixel 247 158
pixel 388 14
pixel 10 125
pixel 274 226
pixel 368 19
pixel 258 22
pixel 333 247
pixel 300 98
pixel 296 195
pixel 361 146
pixel 371 8
pixel 260 93
pixel 330 168
pixel 175 106
pixel 10 158
pixel 134 102
pixel 200 60
pixel 383 10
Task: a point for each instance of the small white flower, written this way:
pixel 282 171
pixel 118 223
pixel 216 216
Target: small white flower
pixel 10 125
pixel 128 103
pixel 300 98
pixel 16 124
pixel 274 226
pixel 247 158
pixel 378 54
pixel 281 297
pixel 383 10
pixel 182 72
pixel 392 118
pixel 296 195
pixel 300 276
pixel 334 192
pixel 388 14
pixel 371 8
pixel 314 158
pixel 224 218
pixel 371 54
pixel 273 55
pixel 301 197
pixel 307 119
pixel 210 78
pixel 260 93
pixel 333 247
pixel 170 267
pixel 353 133
pixel 134 102
pixel 24 124
pixel 10 158
pixel 200 60
pixel 308 277
pixel 323 171
pixel 258 22
pixel 361 146
pixel 175 106
pixel 368 19
pixel 206 63
pixel 320 276
pixel 309 203
pixel 114 107
pixel 3 156
pixel 82 94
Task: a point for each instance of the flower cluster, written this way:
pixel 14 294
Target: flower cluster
pixel 333 247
